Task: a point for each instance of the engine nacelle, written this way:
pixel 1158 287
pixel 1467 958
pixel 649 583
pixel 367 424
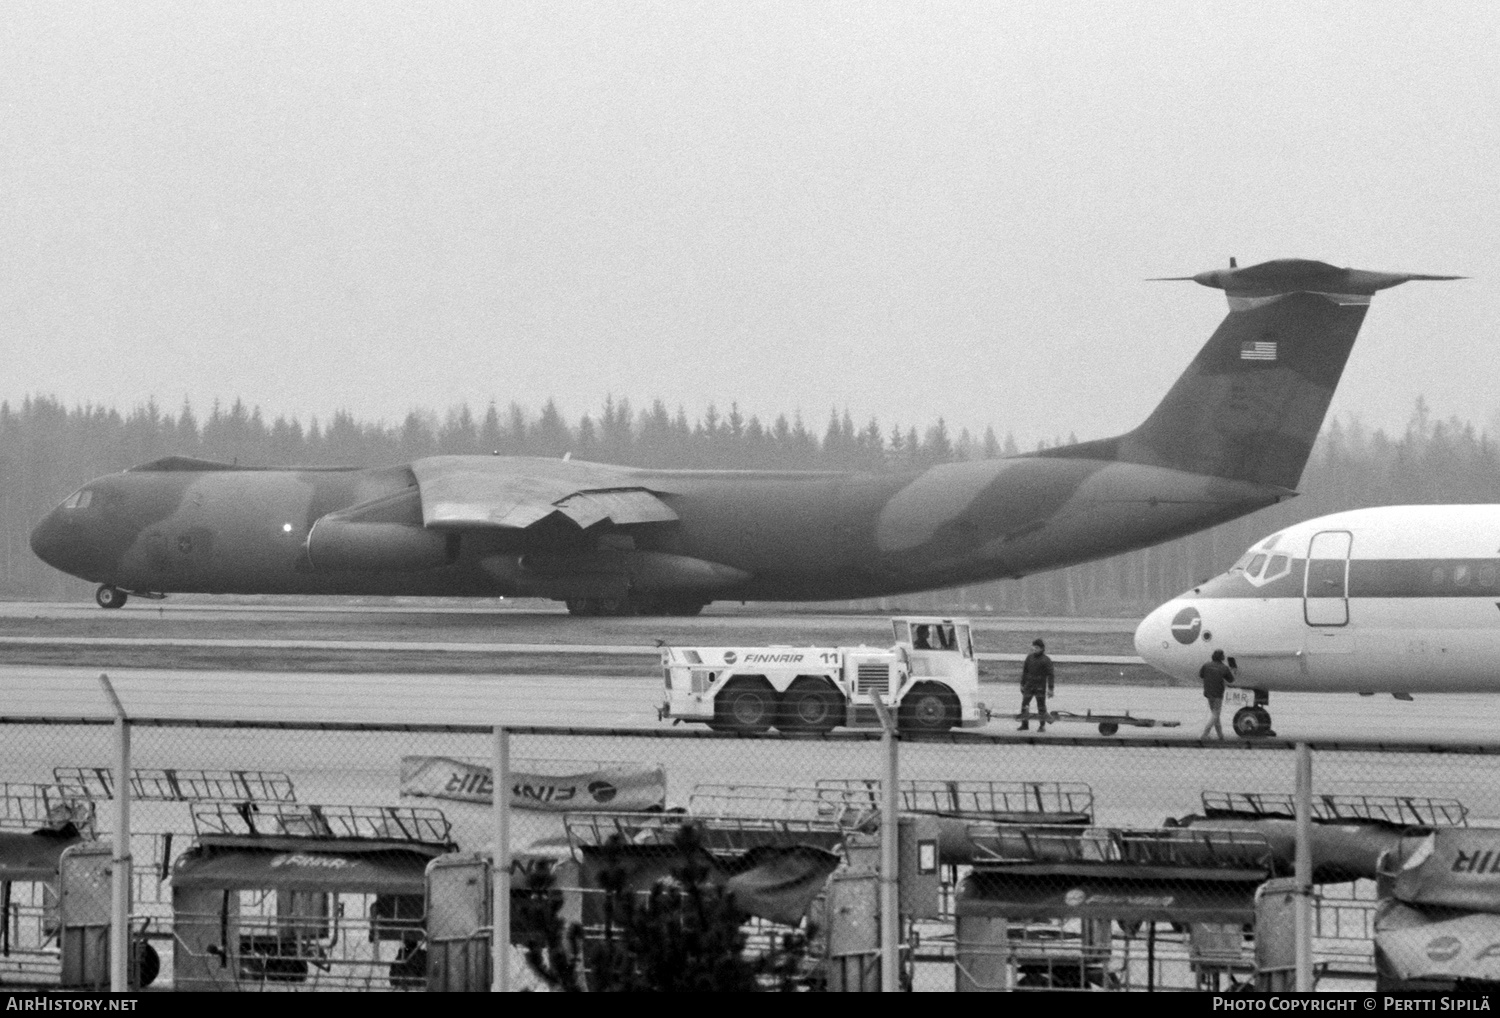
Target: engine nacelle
pixel 336 545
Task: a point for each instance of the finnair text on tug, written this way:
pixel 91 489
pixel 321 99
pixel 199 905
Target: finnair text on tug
pixel 1395 599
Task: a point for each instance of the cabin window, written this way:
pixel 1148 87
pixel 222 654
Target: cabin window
pixel 1438 574
pixel 1253 569
pixel 943 638
pixel 1461 576
pixel 79 499
pixel 903 632
pixel 965 643
pixel 1487 576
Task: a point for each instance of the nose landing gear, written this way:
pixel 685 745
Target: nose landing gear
pixel 1252 723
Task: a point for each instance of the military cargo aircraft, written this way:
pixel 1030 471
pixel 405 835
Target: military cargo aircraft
pixel 1231 436
pixel 1394 599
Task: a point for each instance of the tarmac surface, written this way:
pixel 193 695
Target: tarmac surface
pixel 446 636
pixel 601 674
pixel 452 662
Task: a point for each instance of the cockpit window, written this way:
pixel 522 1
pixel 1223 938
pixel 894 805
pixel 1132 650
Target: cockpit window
pixel 1253 569
pixel 79 499
pixel 1269 544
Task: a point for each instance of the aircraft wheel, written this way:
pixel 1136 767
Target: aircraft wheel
pixel 1108 727
pixel 810 707
pixel 927 708
pixel 1252 722
pixel 110 597
pixel 745 707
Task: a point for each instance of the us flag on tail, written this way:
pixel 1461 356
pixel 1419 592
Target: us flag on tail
pixel 1260 350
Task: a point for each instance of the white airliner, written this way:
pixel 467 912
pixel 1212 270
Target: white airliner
pixel 1396 599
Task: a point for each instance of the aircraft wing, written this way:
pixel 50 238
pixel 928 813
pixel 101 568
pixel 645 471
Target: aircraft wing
pixel 464 492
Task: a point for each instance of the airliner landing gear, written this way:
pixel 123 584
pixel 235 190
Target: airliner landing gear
pixel 1252 722
pixel 110 597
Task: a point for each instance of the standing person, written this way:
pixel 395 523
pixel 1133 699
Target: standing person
pixel 1214 674
pixel 1037 682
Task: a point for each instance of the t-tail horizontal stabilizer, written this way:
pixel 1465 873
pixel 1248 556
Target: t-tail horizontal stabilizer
pixel 1250 405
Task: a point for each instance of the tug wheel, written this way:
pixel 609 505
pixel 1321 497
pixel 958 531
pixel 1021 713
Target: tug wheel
pixel 110 597
pixel 810 707
pixel 927 708
pixel 1108 727
pixel 745 707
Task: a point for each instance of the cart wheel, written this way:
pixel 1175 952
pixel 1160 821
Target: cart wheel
pixel 1108 728
pixel 147 963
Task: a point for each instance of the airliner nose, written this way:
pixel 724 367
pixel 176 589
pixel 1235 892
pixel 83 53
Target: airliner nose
pixel 1164 637
pixel 1154 635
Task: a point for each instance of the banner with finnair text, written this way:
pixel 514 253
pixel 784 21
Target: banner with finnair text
pixel 624 788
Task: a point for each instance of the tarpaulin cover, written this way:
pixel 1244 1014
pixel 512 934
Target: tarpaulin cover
pixel 1411 945
pixel 383 871
pixel 34 855
pixel 1452 867
pixel 1340 851
pixel 1026 894
pixel 621 788
pixel 771 882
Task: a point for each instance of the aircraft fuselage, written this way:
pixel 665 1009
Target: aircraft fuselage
pixel 780 535
pixel 1396 599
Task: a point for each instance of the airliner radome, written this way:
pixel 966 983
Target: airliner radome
pixel 1395 599
pixel 1231 436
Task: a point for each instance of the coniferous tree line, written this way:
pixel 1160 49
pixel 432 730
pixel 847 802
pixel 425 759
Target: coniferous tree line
pixel 47 450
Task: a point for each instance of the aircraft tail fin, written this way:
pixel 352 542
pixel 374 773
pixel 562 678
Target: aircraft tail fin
pixel 1250 405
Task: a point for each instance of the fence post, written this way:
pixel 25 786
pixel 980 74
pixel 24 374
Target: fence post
pixel 500 860
pixel 119 915
pixel 1303 872
pixel 890 852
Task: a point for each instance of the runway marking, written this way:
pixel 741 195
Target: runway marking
pixel 392 646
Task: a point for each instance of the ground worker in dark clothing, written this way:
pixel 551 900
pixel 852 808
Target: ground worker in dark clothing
pixel 1214 674
pixel 1037 682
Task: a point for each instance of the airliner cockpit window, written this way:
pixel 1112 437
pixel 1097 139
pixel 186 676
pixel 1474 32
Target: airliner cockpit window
pixel 1279 565
pixel 1252 571
pixel 79 499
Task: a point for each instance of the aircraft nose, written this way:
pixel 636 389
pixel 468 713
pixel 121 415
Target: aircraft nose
pixel 47 541
pixel 65 545
pixel 1150 634
pixel 1159 639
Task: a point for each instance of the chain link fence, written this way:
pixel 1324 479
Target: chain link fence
pixel 325 856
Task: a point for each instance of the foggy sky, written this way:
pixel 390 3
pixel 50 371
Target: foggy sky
pixel 908 210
